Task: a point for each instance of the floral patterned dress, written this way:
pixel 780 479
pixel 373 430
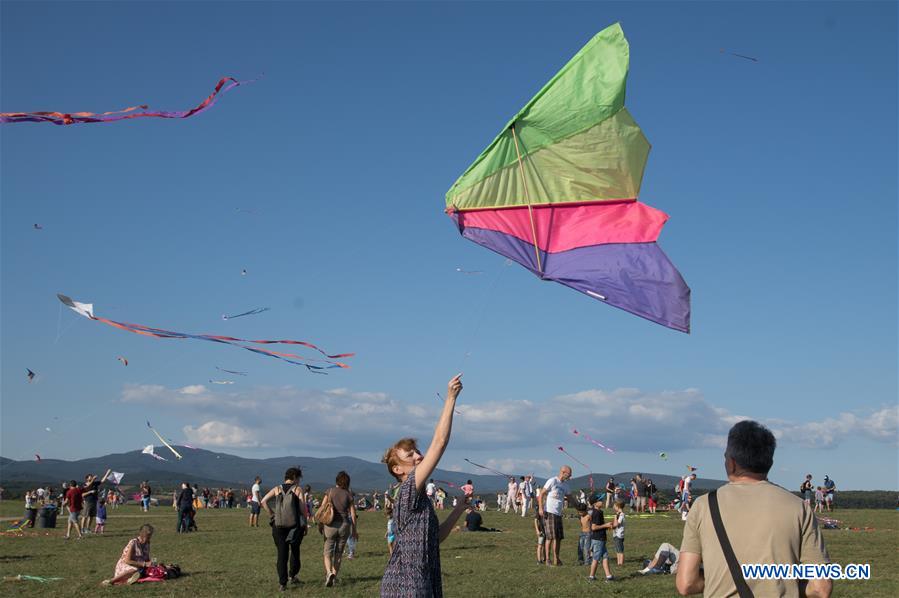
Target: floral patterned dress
pixel 134 551
pixel 414 567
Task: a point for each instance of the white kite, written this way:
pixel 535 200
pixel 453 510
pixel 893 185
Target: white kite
pixel 162 440
pixel 221 381
pixel 116 477
pixel 148 450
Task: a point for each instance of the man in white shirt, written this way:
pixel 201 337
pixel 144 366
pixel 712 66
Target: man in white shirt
pixel 254 502
pixel 511 494
pixel 431 491
pixel 527 493
pixel 550 502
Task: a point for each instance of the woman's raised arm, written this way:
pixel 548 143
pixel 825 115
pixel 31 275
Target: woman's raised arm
pixel 441 435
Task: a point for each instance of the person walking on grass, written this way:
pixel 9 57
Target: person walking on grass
pixel 414 566
pixel 762 523
pixel 550 503
pixel 511 494
pixel 289 523
pixel 341 527
pixel 75 504
pixel 255 498
pixel 185 505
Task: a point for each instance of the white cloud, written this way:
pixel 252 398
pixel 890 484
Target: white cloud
pixel 363 421
pixel 221 434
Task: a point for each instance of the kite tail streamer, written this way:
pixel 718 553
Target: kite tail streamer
pixel 505 475
pixel 576 460
pixel 86 310
pixel 65 118
pixel 162 440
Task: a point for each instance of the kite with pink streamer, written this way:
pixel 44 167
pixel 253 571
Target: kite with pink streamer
pixel 596 442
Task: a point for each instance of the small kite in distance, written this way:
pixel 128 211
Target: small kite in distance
pixel 750 58
pixel 236 373
pixel 690 468
pixel 64 118
pixel 122 359
pixel 221 381
pixel 243 272
pixel 30 374
pixel 461 271
pixel 37 457
pixel 663 456
pixel 252 312
pixel 38 227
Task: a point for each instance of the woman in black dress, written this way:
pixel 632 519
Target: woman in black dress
pixel 414 567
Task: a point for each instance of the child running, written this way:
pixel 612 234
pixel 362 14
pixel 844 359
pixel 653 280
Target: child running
pixel 618 534
pixel 598 528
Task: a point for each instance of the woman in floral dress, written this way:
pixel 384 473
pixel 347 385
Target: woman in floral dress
pixel 135 558
pixel 413 570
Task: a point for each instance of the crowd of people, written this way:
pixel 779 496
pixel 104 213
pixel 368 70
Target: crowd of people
pixel 413 532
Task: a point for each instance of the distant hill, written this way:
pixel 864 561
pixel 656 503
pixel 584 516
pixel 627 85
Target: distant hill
pixel 208 468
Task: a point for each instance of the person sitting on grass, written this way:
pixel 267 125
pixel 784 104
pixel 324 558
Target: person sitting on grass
pixel 135 559
pixel 664 561
pixel 474 522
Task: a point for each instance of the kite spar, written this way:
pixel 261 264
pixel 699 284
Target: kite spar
pixel 557 191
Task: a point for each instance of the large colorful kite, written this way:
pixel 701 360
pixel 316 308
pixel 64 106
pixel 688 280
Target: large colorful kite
pixel 64 118
pixel 87 310
pixel 557 191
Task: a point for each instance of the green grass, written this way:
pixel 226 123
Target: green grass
pixel 226 558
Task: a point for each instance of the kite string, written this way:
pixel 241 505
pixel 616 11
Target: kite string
pixel 527 197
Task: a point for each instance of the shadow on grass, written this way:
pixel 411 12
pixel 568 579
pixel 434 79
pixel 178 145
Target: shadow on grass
pixel 14 558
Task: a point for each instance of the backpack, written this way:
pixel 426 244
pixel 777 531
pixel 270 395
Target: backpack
pixel 680 486
pixel 287 509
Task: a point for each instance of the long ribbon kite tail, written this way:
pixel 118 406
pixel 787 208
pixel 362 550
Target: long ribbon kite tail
pixel 592 441
pixel 86 310
pixel 224 85
pixel 162 440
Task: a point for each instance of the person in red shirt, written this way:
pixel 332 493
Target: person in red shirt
pixel 75 503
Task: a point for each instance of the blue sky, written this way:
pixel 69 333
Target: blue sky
pixel 780 178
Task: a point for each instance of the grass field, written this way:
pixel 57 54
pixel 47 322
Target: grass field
pixel 226 558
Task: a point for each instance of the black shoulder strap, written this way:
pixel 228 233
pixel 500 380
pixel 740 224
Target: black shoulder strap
pixel 729 556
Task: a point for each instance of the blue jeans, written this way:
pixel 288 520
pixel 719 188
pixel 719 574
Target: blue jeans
pixel 583 547
pixel 599 550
